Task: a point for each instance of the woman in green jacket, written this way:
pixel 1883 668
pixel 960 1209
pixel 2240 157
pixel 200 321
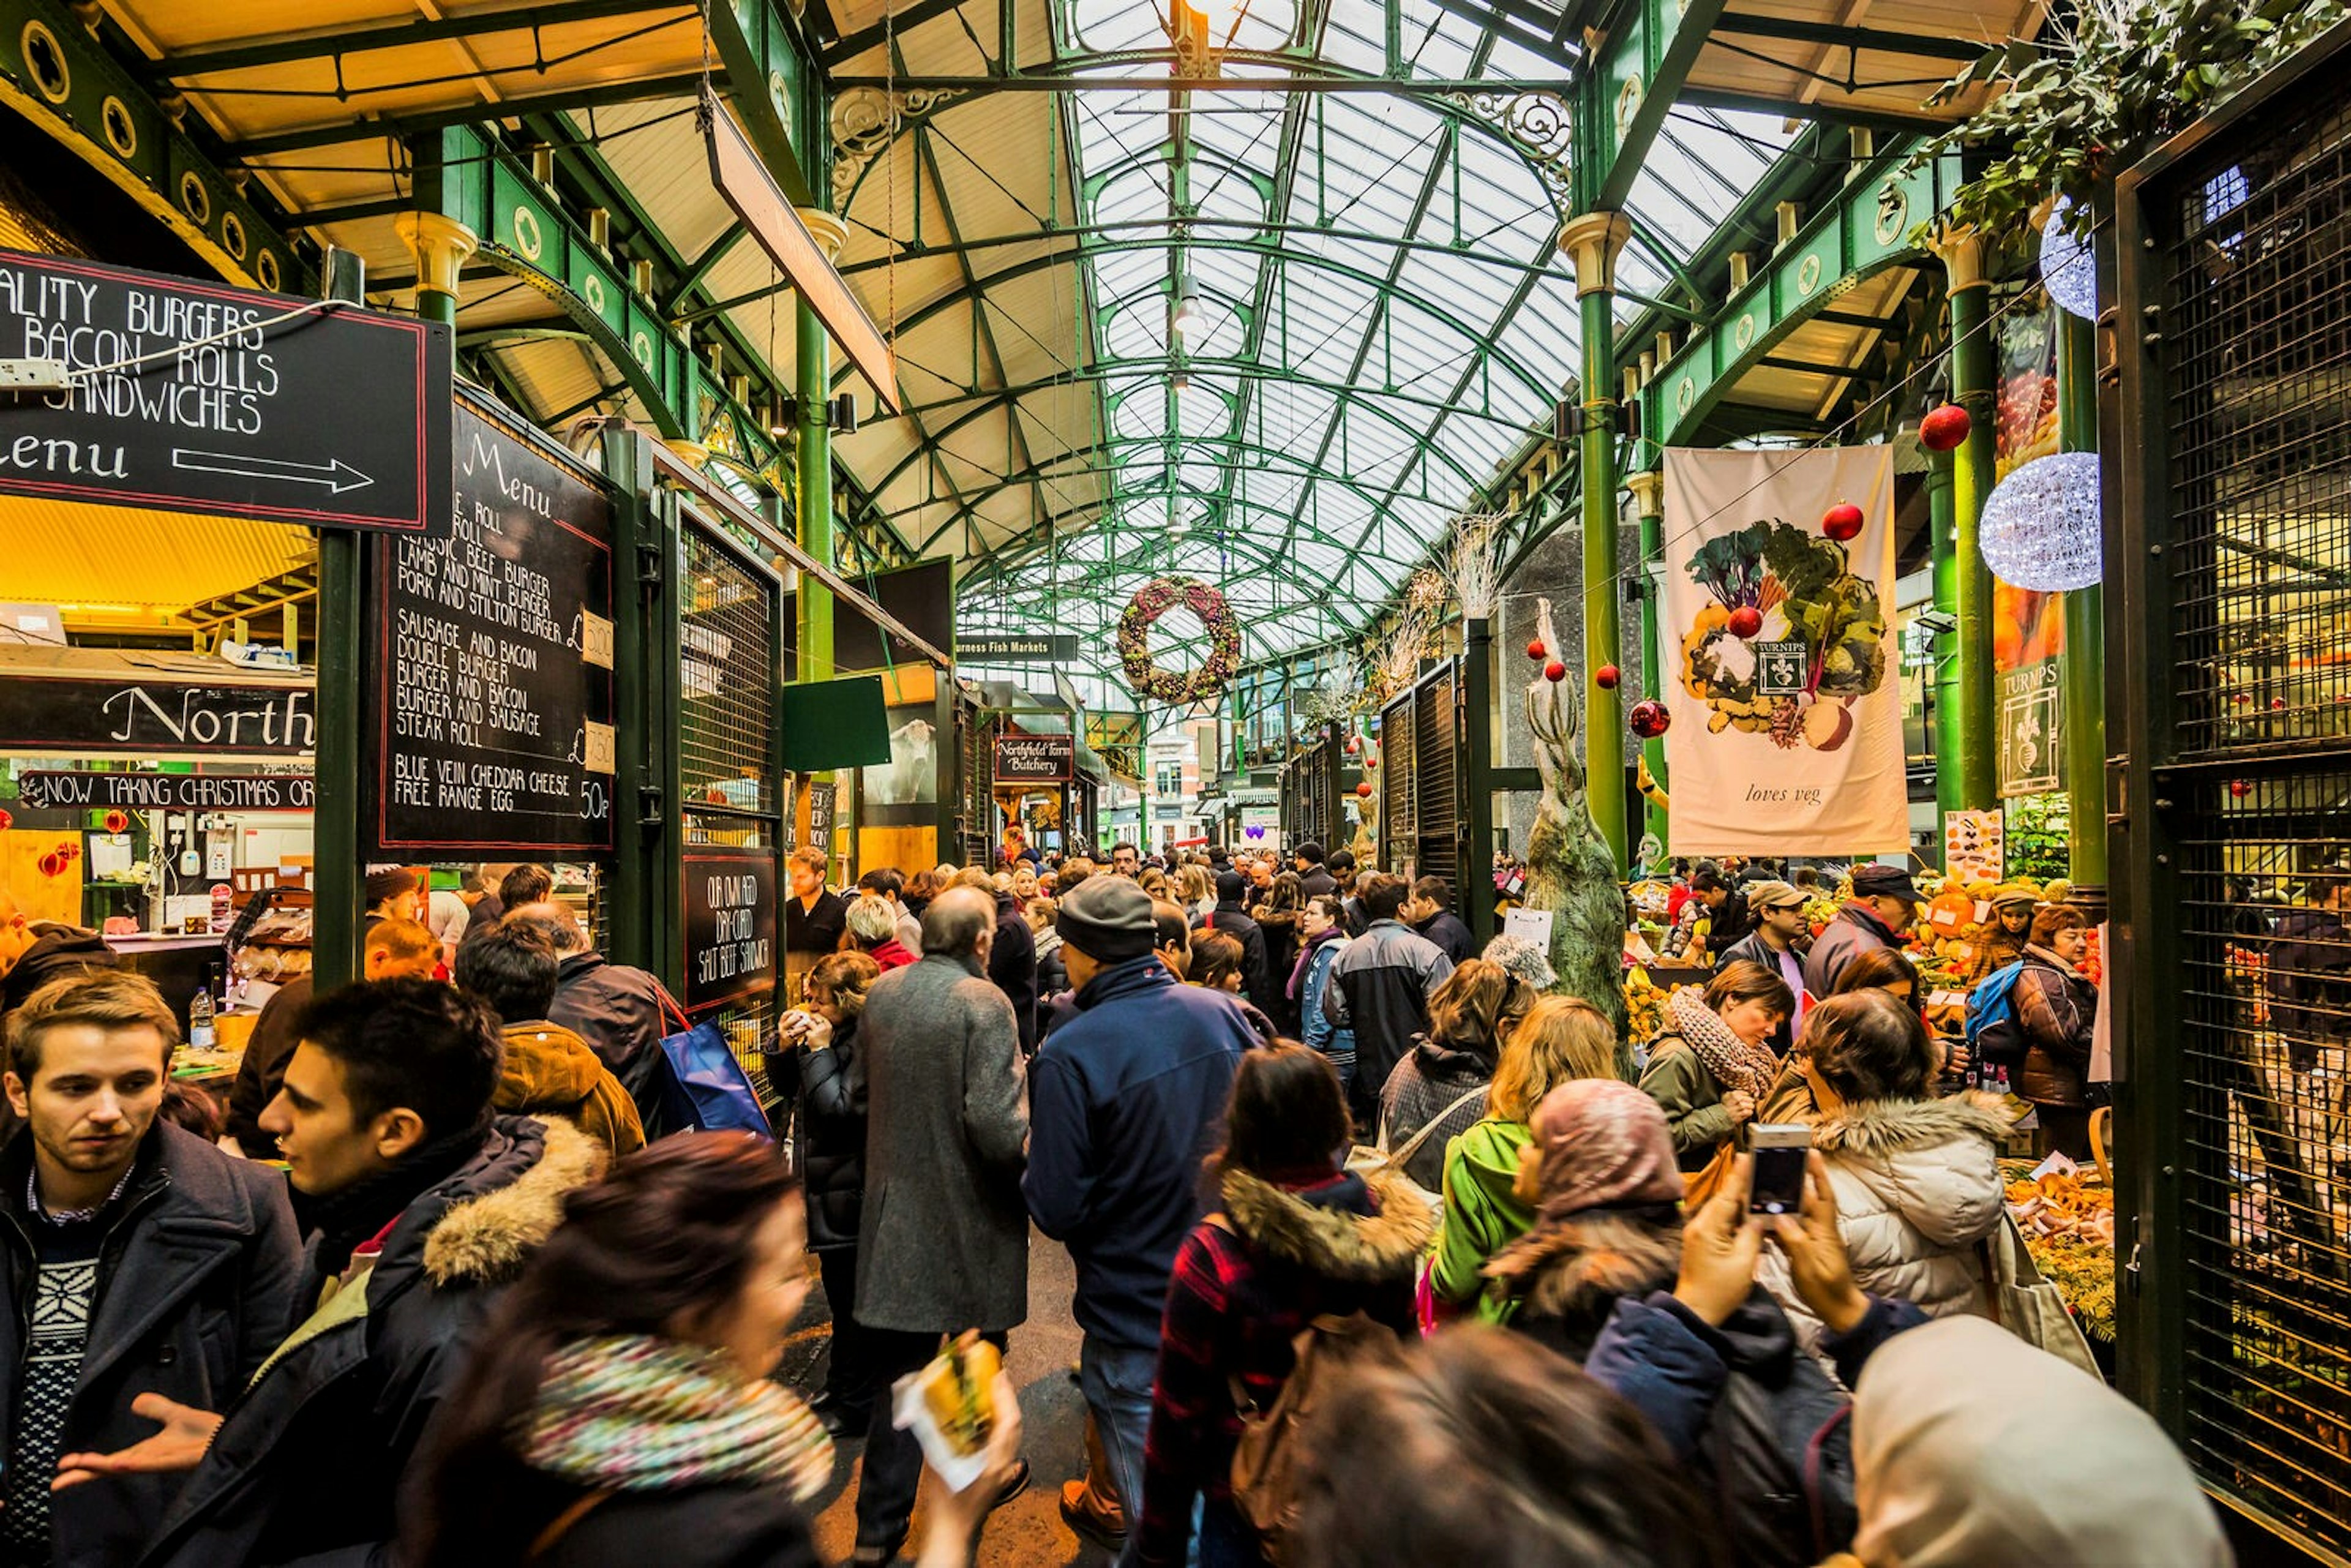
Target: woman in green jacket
pixel 1561 1037
pixel 1713 1065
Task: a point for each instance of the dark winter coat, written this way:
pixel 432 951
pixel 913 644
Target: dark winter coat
pixel 1128 1097
pixel 832 1147
pixel 725 1525
pixel 196 1286
pixel 1256 982
pixel 548 1070
pixel 262 1068
pixel 1856 930
pixel 308 1464
pixel 616 1010
pixel 1315 883
pixel 1243 1292
pixel 1451 936
pixel 2055 1006
pixel 1053 973
pixel 57 951
pixel 1379 989
pixel 1012 965
pixel 943 1240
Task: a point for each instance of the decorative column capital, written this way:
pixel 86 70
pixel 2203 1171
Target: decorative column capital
pixel 829 232
pixel 694 453
pixel 1648 492
pixel 1961 249
pixel 1591 243
pixel 440 244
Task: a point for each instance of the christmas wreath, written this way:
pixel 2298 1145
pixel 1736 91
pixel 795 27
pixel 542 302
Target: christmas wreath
pixel 1155 599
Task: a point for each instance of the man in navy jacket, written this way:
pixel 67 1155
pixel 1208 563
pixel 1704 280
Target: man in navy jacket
pixel 1125 1100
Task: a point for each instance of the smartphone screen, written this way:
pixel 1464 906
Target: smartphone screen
pixel 1776 1179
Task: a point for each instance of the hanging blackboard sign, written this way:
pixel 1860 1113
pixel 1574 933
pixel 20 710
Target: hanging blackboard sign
pixel 199 397
pixel 169 791
pixel 67 705
pixel 730 925
pixel 1035 759
pixel 493 641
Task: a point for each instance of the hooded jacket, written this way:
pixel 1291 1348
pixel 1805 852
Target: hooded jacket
pixel 2056 1005
pixel 548 1070
pixel 1483 1213
pixel 1918 1186
pixel 1427 1086
pixel 1332 1040
pixel 1444 931
pixel 196 1286
pixel 307 1465
pixel 1127 1099
pixel 618 1010
pixel 1379 989
pixel 1856 930
pixel 1242 1293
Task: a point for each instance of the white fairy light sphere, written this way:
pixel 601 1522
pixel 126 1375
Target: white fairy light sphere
pixel 2068 269
pixel 2042 526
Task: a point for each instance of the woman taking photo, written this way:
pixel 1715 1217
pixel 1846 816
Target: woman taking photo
pixel 1322 930
pixel 2057 1006
pixel 1297 1238
pixel 1713 1065
pixel 816 1046
pixel 628 1415
pixel 1563 1038
pixel 1442 1082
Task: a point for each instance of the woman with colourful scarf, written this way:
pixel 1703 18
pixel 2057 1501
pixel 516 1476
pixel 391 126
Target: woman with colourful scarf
pixel 624 1412
pixel 1713 1065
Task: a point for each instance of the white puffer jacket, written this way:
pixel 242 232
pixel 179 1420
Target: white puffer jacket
pixel 1918 1186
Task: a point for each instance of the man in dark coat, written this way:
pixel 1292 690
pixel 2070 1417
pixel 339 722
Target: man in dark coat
pixel 1884 904
pixel 615 1008
pixel 1235 921
pixel 424 1204
pixel 1776 944
pixel 136 1258
pixel 1430 912
pixel 1379 987
pixel 1129 1098
pixel 1313 880
pixel 1011 956
pixel 943 1241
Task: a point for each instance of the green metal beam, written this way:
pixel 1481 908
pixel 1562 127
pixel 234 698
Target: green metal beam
pixel 284 49
pixel 1828 114
pixel 1238 369
pixel 777 92
pixel 1625 98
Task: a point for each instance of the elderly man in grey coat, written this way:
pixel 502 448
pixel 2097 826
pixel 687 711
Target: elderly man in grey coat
pixel 944 1242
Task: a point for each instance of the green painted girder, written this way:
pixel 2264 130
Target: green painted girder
pixel 107 117
pixel 1868 230
pixel 1629 90
pixel 779 92
pixel 1241 370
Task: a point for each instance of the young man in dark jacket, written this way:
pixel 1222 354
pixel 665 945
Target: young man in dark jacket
pixel 1430 912
pixel 1126 1098
pixel 1313 880
pixel 1237 923
pixel 1779 914
pixel 424 1204
pixel 136 1258
pixel 1379 988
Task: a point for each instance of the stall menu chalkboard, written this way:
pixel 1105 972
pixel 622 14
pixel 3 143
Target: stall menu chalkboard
pixel 1035 759
pixel 493 645
pixel 730 925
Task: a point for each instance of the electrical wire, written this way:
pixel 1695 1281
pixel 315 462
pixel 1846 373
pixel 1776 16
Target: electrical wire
pixel 311 307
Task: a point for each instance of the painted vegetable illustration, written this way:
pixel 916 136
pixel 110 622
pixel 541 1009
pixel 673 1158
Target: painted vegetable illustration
pixel 1792 586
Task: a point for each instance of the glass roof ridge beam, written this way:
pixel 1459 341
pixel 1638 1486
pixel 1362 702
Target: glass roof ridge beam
pixel 1238 369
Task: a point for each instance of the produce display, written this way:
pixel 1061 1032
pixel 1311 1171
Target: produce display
pixel 1773 582
pixel 2069 1228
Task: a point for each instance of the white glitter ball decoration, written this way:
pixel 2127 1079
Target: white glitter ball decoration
pixel 2068 270
pixel 2042 526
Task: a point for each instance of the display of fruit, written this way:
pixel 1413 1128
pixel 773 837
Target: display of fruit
pixel 1555 671
pixel 1745 621
pixel 1606 677
pixel 1649 719
pixel 1945 428
pixel 1535 649
pixel 1842 522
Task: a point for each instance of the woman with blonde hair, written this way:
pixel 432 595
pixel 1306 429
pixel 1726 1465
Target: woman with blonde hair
pixel 1194 891
pixel 1445 1079
pixel 1560 1040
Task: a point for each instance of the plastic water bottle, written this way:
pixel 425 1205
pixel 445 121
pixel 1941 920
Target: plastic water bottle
pixel 201 1035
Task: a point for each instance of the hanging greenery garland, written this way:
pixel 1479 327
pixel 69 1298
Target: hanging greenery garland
pixel 1155 599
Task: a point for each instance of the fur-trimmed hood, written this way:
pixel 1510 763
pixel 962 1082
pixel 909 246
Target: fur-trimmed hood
pixel 1880 1129
pixel 1362 1249
pixel 1577 1268
pixel 486 1239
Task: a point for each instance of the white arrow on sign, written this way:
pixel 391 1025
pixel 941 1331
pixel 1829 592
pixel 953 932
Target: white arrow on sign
pixel 337 475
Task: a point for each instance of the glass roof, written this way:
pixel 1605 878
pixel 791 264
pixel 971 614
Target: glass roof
pixel 1382 316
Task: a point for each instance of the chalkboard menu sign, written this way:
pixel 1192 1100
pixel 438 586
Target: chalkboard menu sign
pixel 730 925
pixel 494 647
pixel 148 706
pixel 1035 759
pixel 169 791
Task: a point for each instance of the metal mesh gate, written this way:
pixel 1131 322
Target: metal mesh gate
pixel 1310 792
pixel 1436 746
pixel 2239 547
pixel 729 810
pixel 1398 822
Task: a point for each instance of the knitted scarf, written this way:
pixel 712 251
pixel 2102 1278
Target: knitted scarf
pixel 1306 951
pixel 1734 1063
pixel 636 1413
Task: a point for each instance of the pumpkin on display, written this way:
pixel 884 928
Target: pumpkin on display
pixel 1842 522
pixel 1945 429
pixel 1649 719
pixel 1951 912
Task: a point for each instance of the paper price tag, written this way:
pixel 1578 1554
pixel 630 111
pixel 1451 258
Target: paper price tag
pixel 599 748
pixel 595 639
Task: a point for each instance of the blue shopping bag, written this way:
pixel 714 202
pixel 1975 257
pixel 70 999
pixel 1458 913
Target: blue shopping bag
pixel 703 1088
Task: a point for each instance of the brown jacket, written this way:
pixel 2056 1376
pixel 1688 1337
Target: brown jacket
pixel 550 1071
pixel 2056 1005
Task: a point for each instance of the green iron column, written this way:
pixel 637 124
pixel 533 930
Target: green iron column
pixel 1592 242
pixel 2085 617
pixel 1649 494
pixel 1961 251
pixel 1949 740
pixel 814 381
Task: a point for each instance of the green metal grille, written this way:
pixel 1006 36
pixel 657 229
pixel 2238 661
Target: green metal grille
pixel 1437 751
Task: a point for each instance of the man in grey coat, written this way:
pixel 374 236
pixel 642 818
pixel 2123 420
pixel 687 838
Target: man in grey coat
pixel 942 1245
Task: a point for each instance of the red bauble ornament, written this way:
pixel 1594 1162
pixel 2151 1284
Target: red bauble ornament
pixel 116 820
pixel 1535 649
pixel 1363 791
pixel 1370 762
pixel 7 821
pixel 2277 703
pixel 1944 428
pixel 1650 719
pixel 1555 671
pixel 1746 621
pixel 1354 746
pixel 2239 789
pixel 1842 522
pixel 1606 677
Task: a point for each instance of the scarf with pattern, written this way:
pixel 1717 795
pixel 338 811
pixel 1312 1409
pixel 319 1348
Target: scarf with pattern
pixel 637 1413
pixel 1734 1063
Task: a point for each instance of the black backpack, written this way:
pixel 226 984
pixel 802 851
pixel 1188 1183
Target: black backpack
pixel 1779 1461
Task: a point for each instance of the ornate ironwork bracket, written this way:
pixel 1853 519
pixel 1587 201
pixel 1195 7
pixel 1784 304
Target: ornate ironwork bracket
pixel 1539 124
pixel 866 120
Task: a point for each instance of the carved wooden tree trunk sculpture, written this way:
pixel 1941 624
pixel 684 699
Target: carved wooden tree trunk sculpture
pixel 1365 845
pixel 1570 872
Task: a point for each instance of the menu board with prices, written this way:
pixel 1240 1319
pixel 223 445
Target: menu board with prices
pixel 495 653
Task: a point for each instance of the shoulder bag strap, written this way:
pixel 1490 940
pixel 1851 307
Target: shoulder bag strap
pixel 561 1525
pixel 1412 1145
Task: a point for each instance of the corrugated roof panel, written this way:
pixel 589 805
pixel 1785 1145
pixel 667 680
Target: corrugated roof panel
pixel 68 553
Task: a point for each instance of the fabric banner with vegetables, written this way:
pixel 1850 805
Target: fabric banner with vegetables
pixel 1786 734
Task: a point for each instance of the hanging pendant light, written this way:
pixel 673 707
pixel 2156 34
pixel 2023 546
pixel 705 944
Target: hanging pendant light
pixel 2043 527
pixel 2068 268
pixel 1186 318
